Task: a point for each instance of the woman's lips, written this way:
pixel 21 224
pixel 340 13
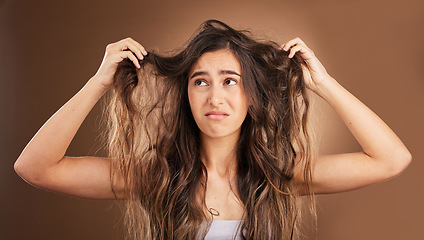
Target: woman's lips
pixel 216 115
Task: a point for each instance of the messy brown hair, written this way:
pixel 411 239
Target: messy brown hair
pixel 154 142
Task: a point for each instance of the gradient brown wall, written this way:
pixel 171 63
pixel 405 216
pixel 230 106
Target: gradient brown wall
pixel 49 49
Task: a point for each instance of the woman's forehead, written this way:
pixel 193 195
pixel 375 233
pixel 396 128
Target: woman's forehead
pixel 217 61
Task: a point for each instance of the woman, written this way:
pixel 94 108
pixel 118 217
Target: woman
pixel 215 132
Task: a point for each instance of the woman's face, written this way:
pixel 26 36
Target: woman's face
pixel 216 94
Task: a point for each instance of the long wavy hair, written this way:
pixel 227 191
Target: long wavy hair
pixel 153 140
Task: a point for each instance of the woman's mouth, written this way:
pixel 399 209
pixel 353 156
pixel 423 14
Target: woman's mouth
pixel 216 115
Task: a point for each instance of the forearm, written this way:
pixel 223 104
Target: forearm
pixel 378 141
pixel 384 155
pixel 50 143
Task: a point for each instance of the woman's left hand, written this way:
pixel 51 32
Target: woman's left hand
pixel 383 154
pixel 313 71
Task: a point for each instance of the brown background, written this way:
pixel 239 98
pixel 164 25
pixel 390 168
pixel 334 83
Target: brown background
pixel 50 48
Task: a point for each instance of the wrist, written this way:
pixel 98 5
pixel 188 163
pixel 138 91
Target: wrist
pixel 95 84
pixel 325 89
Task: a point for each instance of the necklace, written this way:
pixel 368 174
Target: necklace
pixel 213 212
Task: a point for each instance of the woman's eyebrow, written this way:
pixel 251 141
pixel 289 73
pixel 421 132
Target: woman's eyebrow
pixel 222 72
pixel 231 72
pixel 199 73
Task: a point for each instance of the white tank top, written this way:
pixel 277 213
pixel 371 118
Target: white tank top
pixel 224 230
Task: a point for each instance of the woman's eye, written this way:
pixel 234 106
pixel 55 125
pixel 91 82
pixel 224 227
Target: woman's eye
pixel 230 81
pixel 199 83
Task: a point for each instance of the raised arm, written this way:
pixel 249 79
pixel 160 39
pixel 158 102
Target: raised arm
pixel 43 162
pixel 384 155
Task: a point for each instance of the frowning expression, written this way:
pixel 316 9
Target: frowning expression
pixel 216 94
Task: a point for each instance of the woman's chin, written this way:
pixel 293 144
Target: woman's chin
pixel 219 133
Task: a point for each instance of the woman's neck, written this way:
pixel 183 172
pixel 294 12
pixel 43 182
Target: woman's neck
pixel 219 154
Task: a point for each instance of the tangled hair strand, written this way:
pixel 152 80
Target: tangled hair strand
pixel 153 140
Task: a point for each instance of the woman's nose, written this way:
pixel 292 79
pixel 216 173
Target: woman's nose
pixel 215 98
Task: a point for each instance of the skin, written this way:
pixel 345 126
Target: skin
pixel 43 162
pixel 219 106
pixel 384 155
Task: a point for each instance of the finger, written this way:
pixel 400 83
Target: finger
pixel 142 49
pixel 135 49
pixel 138 46
pixel 125 45
pixel 290 43
pixel 130 55
pixel 294 50
pixel 293 42
pixel 304 50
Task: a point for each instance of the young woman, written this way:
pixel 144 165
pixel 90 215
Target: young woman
pixel 211 142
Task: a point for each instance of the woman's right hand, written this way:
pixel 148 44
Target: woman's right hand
pixel 43 162
pixel 115 53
